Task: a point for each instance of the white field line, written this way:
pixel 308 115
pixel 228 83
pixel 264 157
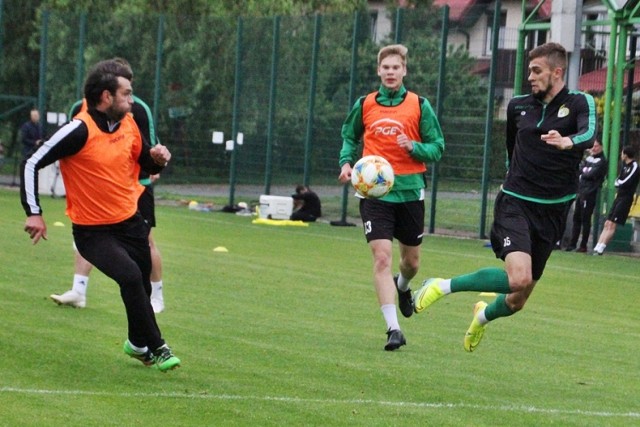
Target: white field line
pixel 364 402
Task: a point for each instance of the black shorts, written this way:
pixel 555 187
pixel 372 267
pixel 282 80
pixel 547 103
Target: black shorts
pixel 620 210
pixel 147 206
pixel 384 220
pixel 522 226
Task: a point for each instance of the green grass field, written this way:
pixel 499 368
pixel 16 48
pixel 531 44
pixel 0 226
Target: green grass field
pixel 284 330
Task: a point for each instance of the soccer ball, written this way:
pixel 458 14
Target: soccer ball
pixel 372 177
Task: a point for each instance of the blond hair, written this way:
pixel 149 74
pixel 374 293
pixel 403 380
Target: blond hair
pixel 393 49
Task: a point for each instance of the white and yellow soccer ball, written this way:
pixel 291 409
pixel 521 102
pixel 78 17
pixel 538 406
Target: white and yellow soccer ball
pixel 372 177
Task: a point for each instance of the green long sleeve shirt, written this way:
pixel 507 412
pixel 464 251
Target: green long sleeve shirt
pixel 430 149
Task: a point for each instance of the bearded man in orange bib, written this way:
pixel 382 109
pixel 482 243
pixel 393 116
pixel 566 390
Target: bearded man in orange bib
pixel 101 152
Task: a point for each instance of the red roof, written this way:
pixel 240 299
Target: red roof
pixel 458 9
pixel 595 81
pixel 545 8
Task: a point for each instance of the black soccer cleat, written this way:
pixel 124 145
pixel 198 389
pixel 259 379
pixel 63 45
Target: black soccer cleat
pixel 405 300
pixel 395 340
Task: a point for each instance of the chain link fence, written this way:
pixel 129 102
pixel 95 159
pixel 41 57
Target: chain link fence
pixel 286 84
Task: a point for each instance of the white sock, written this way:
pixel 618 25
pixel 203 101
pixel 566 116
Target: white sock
pixel 445 286
pixel 80 284
pixel 482 319
pixel 390 316
pixel 600 247
pixel 139 350
pixel 403 283
pixel 156 289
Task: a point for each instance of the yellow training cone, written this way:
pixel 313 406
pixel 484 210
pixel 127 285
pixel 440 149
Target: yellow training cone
pixel 220 249
pixel 58 224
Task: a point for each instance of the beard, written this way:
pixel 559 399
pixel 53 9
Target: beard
pixel 115 114
pixel 541 94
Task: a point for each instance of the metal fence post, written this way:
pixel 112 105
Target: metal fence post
pixel 42 81
pixel 272 104
pixel 313 78
pixel 442 72
pixel 495 37
pixel 158 73
pixel 82 37
pixel 234 120
pixel 352 79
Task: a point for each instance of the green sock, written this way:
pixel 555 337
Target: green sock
pixel 498 308
pixel 489 279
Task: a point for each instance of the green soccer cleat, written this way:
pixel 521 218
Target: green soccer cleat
pixel 164 359
pixel 476 330
pixel 146 358
pixel 429 293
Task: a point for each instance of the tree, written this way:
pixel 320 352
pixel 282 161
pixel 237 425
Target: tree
pixel 197 74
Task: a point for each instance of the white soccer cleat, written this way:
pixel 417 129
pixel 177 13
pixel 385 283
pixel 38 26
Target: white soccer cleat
pixel 70 298
pixel 157 304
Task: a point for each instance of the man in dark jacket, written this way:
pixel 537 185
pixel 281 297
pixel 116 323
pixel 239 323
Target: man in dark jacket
pixel 593 170
pixel 31 133
pixel 548 132
pixel 307 203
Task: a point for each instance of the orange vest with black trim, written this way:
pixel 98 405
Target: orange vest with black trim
pixel 101 180
pixel 382 125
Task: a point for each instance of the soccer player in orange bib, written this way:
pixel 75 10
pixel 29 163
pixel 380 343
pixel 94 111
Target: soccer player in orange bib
pixel 101 153
pixel 400 126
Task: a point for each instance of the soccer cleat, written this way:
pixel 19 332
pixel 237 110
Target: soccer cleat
pixel 70 298
pixel 581 250
pixel 405 301
pixel 476 330
pixel 164 359
pixel 395 340
pixel 146 358
pixel 157 304
pixel 429 293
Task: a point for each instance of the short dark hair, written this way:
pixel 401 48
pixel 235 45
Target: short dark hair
pixel 125 64
pixel 104 76
pixel 629 151
pixel 555 53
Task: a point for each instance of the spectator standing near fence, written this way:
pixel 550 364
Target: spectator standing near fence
pixel 402 127
pixel 101 153
pixel 593 170
pixel 547 134
pixel 626 185
pixel 31 133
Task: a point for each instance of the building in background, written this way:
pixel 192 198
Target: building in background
pixel 471 27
